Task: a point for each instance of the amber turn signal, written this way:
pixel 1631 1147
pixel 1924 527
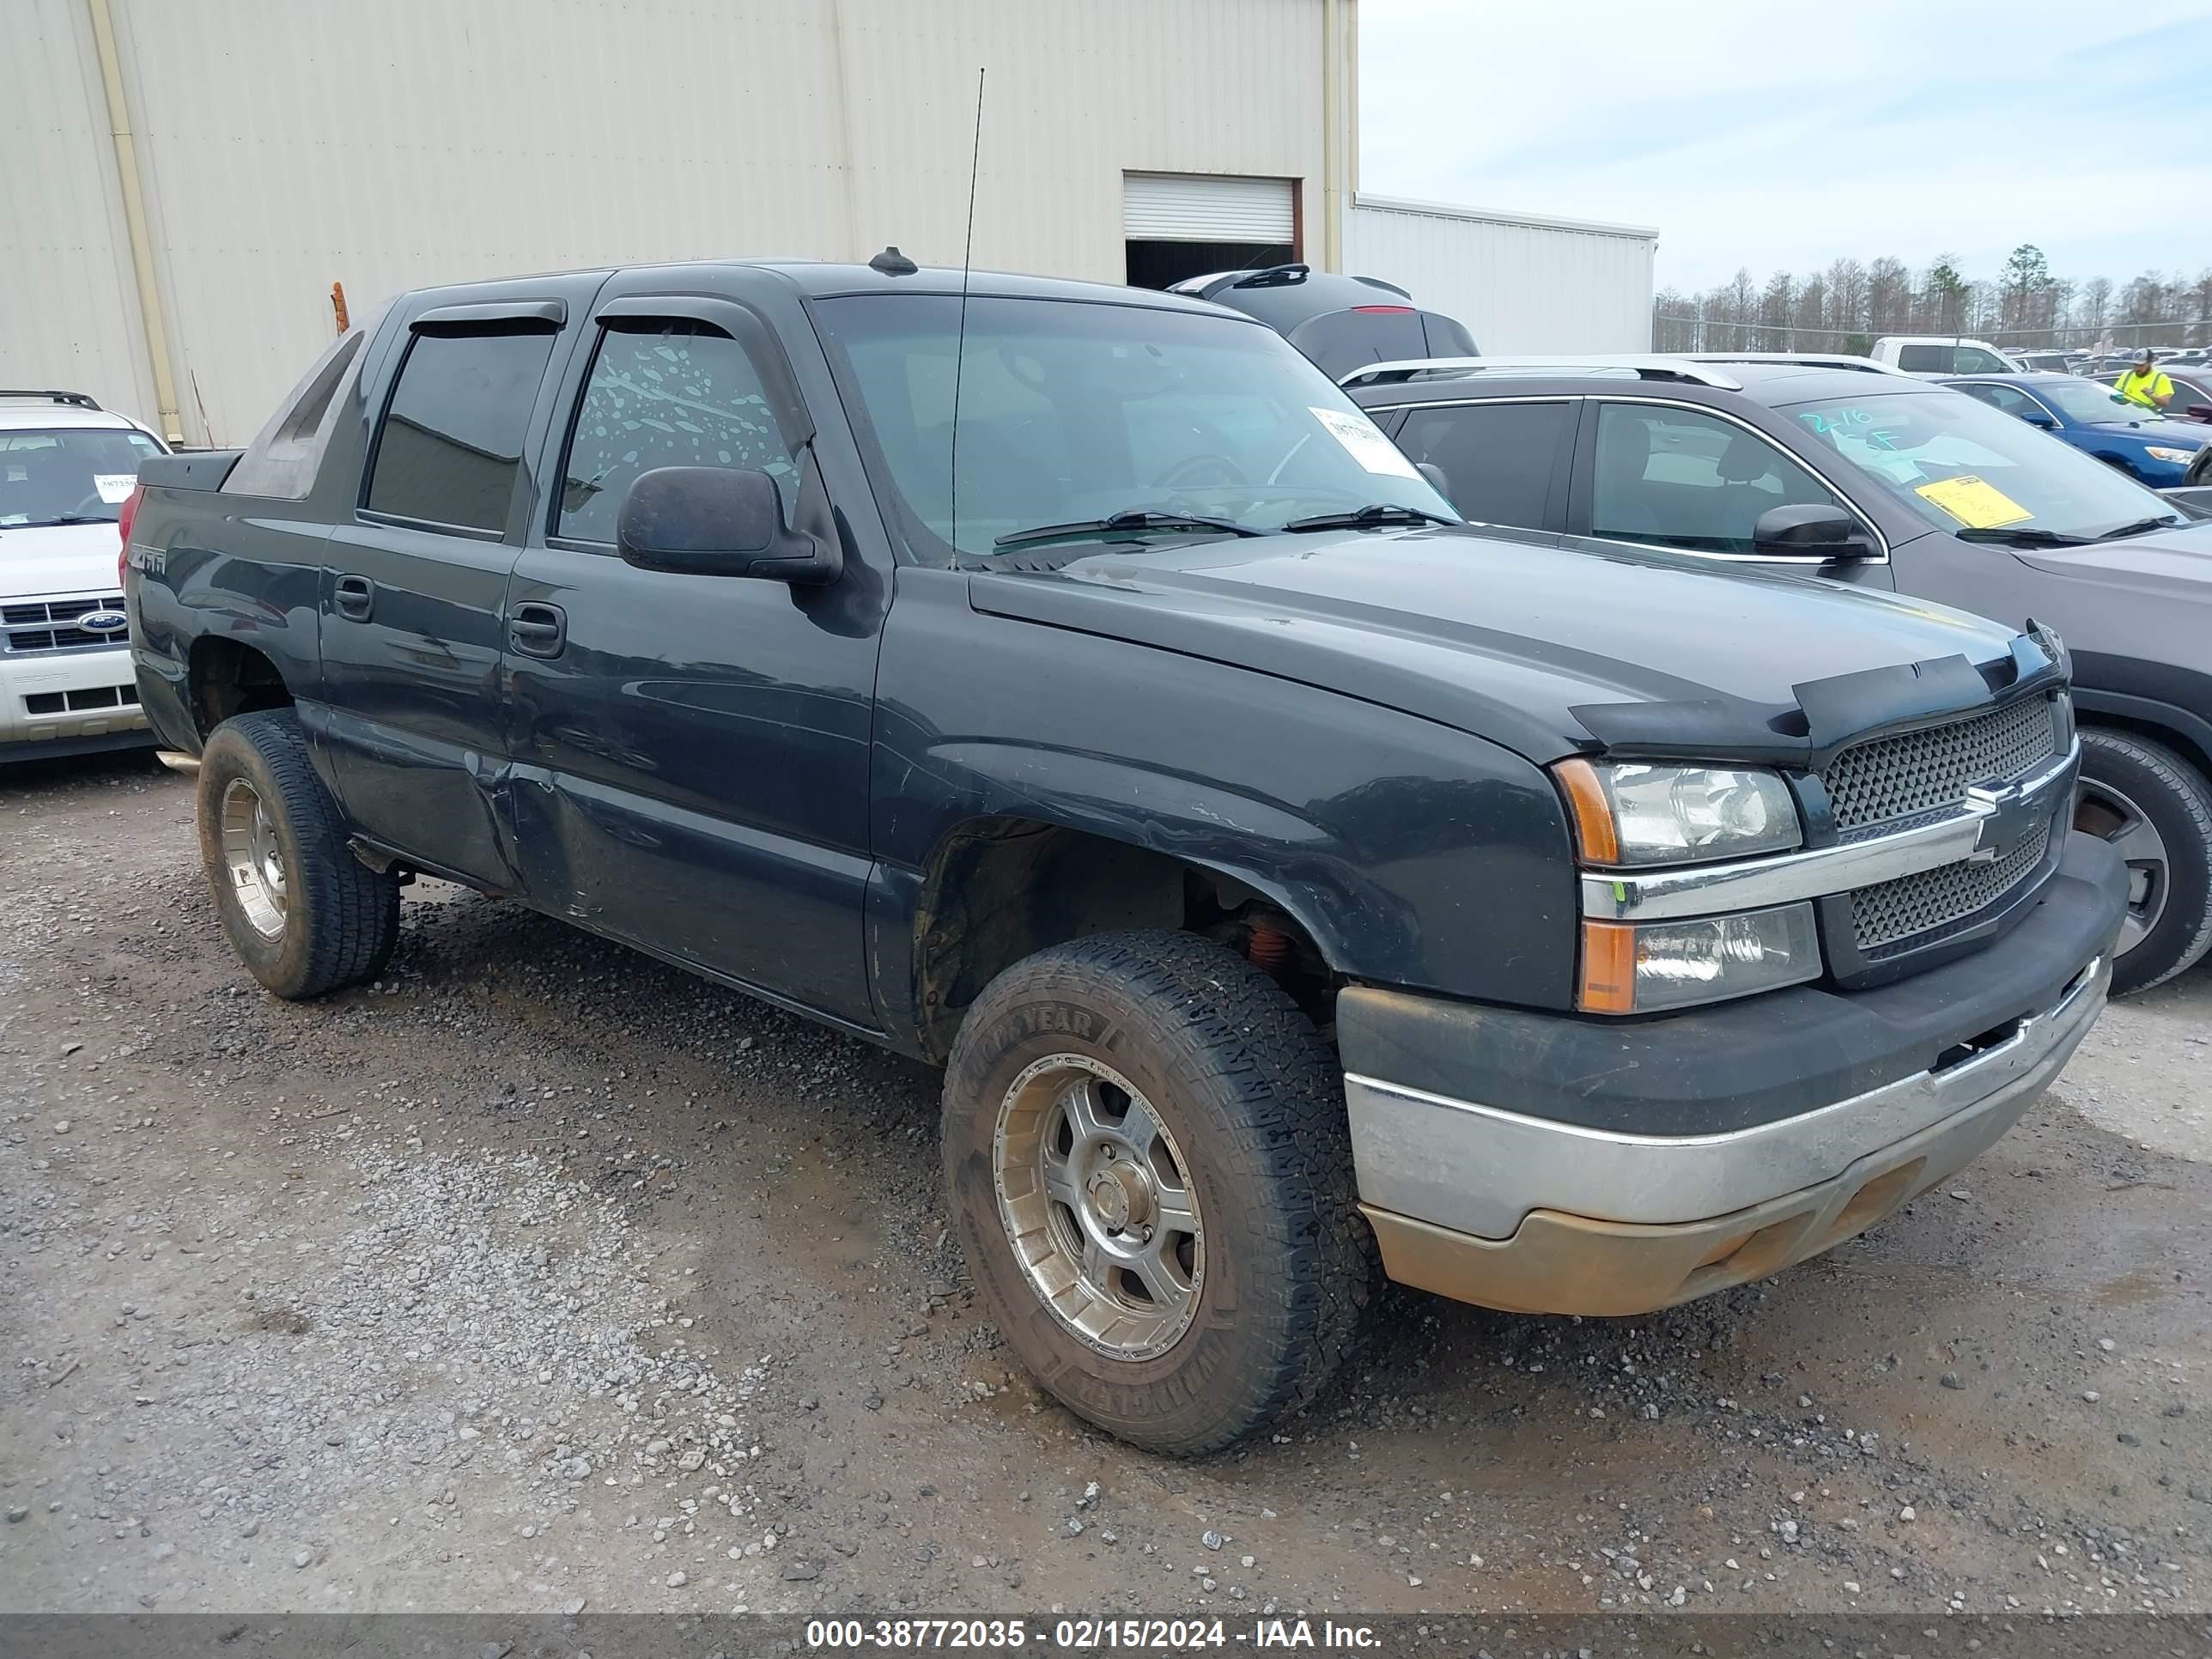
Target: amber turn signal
pixel 1594 831
pixel 1608 984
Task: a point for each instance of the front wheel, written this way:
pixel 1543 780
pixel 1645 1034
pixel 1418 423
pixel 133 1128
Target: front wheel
pixel 2156 809
pixel 1148 1163
pixel 303 913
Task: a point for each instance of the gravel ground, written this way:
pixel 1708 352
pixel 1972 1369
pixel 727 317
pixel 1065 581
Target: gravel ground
pixel 541 1277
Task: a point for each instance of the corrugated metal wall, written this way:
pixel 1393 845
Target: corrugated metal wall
pixel 1519 285
pixel 285 144
pixel 69 308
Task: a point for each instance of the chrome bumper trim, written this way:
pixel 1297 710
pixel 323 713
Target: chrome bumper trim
pixel 1755 884
pixel 1477 1170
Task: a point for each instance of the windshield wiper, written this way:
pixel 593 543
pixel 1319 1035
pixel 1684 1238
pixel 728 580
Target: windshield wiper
pixel 47 524
pixel 2140 527
pixel 1136 520
pixel 1372 516
pixel 2024 538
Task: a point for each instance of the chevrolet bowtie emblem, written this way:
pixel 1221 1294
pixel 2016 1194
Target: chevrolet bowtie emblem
pixel 2011 814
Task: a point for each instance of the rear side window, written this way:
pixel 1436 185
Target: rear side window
pixel 2004 398
pixel 1497 459
pixel 1924 359
pixel 679 393
pixel 449 448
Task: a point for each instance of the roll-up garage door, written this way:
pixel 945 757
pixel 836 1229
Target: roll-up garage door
pixel 1205 207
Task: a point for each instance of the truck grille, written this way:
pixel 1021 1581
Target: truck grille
pixel 1872 783
pixel 1874 786
pixel 1920 907
pixel 47 625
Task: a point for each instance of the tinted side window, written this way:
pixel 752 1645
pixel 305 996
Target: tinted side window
pixel 1679 478
pixel 679 393
pixel 2001 397
pixel 450 445
pixel 1973 359
pixel 1924 359
pixel 1497 459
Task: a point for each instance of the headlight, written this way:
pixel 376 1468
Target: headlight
pixel 1628 813
pixel 1638 968
pixel 2158 452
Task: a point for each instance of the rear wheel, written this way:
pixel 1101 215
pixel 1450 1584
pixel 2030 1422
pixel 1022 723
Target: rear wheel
pixel 303 913
pixel 1145 1149
pixel 2155 809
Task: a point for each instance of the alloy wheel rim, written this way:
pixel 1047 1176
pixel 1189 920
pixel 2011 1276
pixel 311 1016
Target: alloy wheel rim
pixel 1097 1203
pixel 2113 816
pixel 255 860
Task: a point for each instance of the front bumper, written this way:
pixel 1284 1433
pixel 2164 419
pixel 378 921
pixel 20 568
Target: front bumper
pixel 67 703
pixel 1547 1213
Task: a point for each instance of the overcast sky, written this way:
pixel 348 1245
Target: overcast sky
pixel 1766 134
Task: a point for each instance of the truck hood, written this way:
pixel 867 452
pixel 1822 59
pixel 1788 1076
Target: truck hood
pixel 1518 637
pixel 59 561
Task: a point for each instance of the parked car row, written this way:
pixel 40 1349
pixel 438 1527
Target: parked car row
pixel 1948 354
pixel 2094 419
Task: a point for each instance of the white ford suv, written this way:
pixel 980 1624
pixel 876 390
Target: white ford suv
pixel 67 467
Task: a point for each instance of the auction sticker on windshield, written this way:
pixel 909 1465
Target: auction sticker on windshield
pixel 114 487
pixel 1973 501
pixel 1364 442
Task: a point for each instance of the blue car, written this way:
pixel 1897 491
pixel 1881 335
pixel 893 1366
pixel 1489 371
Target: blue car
pixel 2148 447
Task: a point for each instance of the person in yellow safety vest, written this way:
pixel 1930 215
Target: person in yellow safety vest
pixel 2144 386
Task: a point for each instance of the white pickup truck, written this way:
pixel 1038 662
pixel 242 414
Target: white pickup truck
pixel 1942 354
pixel 67 469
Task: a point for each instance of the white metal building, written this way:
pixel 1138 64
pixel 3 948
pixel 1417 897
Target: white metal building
pixel 1520 282
pixel 182 182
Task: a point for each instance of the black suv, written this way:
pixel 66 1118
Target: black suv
pixel 1340 322
pixel 1841 468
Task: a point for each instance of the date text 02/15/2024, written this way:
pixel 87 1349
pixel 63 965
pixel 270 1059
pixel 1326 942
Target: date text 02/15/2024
pixel 1083 1635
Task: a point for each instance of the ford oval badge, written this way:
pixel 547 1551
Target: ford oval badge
pixel 103 621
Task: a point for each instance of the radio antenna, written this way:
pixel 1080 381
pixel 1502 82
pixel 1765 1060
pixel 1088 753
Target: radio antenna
pixel 960 343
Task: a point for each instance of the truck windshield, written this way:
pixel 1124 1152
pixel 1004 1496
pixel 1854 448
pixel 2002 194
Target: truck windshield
pixel 1073 411
pixel 1960 465
pixel 68 475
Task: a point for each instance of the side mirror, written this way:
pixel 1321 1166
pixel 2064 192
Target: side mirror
pixel 2043 418
pixel 1810 529
pixel 1434 475
pixel 719 521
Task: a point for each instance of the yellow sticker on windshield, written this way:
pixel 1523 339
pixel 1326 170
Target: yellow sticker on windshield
pixel 1974 502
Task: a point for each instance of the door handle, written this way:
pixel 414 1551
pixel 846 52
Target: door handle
pixel 537 629
pixel 354 597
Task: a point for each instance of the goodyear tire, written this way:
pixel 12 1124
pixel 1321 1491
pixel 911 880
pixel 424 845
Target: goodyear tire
pixel 303 913
pixel 2156 809
pixel 1147 1159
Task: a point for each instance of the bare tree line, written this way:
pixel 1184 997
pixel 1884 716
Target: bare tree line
pixel 1846 307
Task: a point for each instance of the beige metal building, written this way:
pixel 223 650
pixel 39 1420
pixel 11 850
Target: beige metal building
pixel 186 180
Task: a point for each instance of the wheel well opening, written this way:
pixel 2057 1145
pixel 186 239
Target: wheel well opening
pixel 2151 731
pixel 1001 889
pixel 227 678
